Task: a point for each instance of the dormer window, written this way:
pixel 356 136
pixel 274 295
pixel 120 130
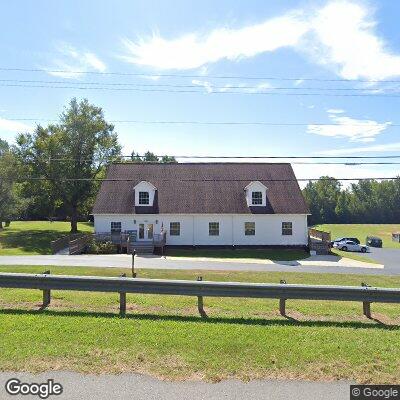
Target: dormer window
pixel 144 194
pixel 256 194
pixel 144 198
pixel 256 198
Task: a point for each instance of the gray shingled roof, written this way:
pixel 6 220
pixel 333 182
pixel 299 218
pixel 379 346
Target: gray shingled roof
pixel 197 188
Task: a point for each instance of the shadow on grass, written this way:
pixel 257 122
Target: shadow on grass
pixel 289 321
pixel 31 241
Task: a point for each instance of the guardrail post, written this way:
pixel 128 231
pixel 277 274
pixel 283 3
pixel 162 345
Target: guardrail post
pixel 122 301
pixel 46 294
pixel 282 302
pixel 200 304
pixel 133 264
pixel 366 304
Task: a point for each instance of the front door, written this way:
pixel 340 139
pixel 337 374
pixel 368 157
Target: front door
pixel 145 231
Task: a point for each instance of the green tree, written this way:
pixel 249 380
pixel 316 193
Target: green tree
pixel 342 208
pixel 151 158
pixel 69 156
pixel 322 197
pixel 9 202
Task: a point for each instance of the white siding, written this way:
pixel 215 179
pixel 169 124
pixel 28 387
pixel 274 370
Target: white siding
pixel 194 228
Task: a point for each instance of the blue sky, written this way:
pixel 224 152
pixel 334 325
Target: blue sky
pixel 325 40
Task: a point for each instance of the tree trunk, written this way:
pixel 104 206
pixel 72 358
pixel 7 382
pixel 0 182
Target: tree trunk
pixel 1 224
pixel 74 219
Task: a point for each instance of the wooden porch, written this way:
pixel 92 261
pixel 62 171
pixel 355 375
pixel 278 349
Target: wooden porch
pixel 130 242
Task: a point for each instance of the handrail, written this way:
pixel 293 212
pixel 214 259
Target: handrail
pixel 201 288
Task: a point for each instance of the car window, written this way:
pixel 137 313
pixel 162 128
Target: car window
pixel 350 242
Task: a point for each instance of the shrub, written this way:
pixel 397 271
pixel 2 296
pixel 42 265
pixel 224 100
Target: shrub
pixel 95 247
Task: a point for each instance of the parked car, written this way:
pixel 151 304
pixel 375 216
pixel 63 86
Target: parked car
pixel 343 239
pixel 350 245
pixel 373 241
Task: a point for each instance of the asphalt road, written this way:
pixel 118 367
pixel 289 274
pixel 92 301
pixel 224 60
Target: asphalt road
pixel 321 265
pixel 390 258
pixel 135 387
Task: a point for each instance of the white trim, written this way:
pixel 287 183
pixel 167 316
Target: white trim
pixel 145 182
pixel 254 182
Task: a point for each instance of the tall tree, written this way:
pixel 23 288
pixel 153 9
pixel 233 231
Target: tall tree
pixel 151 157
pixel 9 206
pixel 70 155
pixel 322 197
pixel 367 201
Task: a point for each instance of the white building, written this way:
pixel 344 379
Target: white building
pixel 204 204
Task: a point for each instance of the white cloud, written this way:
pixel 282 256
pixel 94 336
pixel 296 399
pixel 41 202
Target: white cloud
pixel 8 126
pixel 388 147
pixel 335 111
pixel 341 36
pixel 72 59
pixel 355 130
pixel 205 84
pixel 242 87
pixel 195 50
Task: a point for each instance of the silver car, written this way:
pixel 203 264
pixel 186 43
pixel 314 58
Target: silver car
pixel 349 245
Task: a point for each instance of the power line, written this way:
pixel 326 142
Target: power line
pixel 202 180
pixel 122 89
pixel 263 123
pixel 170 75
pixel 350 164
pixel 244 87
pixel 142 158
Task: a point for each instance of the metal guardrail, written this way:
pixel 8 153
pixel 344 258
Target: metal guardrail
pixel 199 288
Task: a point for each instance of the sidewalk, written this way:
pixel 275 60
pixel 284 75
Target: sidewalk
pixel 312 264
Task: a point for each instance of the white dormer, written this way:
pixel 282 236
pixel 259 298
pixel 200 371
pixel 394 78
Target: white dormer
pixel 256 194
pixel 144 194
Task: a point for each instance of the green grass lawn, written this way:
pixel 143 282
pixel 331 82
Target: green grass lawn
pixel 261 254
pixel 361 231
pixel 164 336
pixel 34 237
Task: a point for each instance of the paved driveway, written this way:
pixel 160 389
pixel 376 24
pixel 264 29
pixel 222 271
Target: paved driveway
pixel 390 258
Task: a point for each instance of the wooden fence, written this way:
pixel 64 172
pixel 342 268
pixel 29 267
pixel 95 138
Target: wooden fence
pixel 76 246
pixel 63 242
pixel 320 235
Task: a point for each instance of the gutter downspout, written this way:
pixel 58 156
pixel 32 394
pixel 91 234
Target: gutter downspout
pixel 193 230
pixel 232 231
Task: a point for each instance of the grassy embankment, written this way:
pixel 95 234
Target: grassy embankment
pixel 164 336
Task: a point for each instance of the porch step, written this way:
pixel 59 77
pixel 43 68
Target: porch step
pixel 141 248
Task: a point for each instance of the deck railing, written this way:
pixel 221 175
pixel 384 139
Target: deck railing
pixel 320 235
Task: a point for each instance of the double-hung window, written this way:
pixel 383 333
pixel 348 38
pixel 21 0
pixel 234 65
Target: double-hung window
pixel 144 198
pixel 256 198
pixel 116 227
pixel 287 229
pixel 213 228
pixel 249 228
pixel 175 228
